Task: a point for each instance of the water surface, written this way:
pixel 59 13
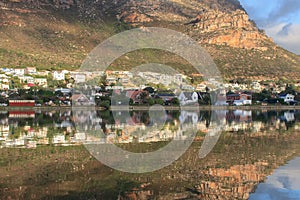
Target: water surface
pixel 43 156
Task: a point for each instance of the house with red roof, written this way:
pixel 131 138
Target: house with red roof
pixel 138 96
pixel 80 100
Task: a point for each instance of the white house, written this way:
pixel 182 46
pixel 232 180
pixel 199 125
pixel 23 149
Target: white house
pixel 288 98
pixel 256 86
pixel 59 139
pixel 59 76
pixel 41 82
pixel 4 86
pixel 178 78
pixel 5 80
pixel 201 87
pixel 111 80
pixel 188 98
pixel 19 71
pixel 64 90
pixel 165 79
pixel 30 70
pixel 27 79
pixel 69 85
pixel 43 73
pixel 79 78
pixel 80 136
pixel 3 76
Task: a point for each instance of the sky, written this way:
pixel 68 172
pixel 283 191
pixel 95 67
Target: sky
pixel 279 18
pixel 283 184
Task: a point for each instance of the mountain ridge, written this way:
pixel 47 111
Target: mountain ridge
pixel 60 33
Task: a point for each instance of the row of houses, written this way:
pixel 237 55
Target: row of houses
pixel 189 98
pixel 30 77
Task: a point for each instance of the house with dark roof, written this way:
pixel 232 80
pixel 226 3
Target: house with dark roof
pixel 288 98
pixel 166 97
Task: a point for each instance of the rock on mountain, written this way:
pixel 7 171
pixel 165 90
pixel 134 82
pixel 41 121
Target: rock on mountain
pixel 61 32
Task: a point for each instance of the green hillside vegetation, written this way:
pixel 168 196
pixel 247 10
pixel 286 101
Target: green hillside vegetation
pixel 51 38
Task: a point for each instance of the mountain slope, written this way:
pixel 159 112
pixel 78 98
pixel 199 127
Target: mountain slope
pixel 60 33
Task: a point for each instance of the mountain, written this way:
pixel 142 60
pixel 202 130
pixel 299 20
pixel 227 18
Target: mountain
pixel 60 33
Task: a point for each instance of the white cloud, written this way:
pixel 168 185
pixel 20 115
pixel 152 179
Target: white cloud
pixel 283 184
pixel 280 19
pixel 286 35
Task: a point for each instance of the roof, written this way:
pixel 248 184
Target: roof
pixel 284 95
pixel 166 95
pixel 133 93
pixel 188 95
pixel 30 85
pixel 77 97
pixel 237 95
pixel 233 95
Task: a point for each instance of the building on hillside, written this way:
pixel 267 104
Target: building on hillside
pixel 187 87
pixel 30 70
pixel 201 88
pixel 27 79
pixel 41 82
pixel 43 73
pixel 64 90
pixel 19 71
pixel 59 76
pixel 79 78
pixel 4 86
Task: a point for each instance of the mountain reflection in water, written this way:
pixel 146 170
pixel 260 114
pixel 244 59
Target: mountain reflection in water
pixel 42 156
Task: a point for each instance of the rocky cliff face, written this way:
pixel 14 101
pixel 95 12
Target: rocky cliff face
pixel 214 21
pixel 229 28
pixel 211 23
pixel 68 29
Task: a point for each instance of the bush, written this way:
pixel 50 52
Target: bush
pixel 175 102
pixel 159 101
pixel 151 102
pixel 105 104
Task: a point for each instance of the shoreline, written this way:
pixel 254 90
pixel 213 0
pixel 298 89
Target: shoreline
pixel 146 108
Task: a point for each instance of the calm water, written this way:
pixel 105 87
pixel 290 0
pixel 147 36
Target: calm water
pixel 284 183
pixel 44 154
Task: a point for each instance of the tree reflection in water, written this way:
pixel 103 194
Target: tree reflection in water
pixel 251 145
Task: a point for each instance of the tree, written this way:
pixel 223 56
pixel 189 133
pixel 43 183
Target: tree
pixel 105 104
pixel 207 89
pixel 159 101
pixel 151 102
pixel 205 100
pixel 103 82
pixel 143 97
pixel 290 89
pixel 230 92
pixel 175 102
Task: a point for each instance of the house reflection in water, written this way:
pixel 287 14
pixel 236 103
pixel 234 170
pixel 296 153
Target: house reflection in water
pixel 252 144
pixel 19 128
